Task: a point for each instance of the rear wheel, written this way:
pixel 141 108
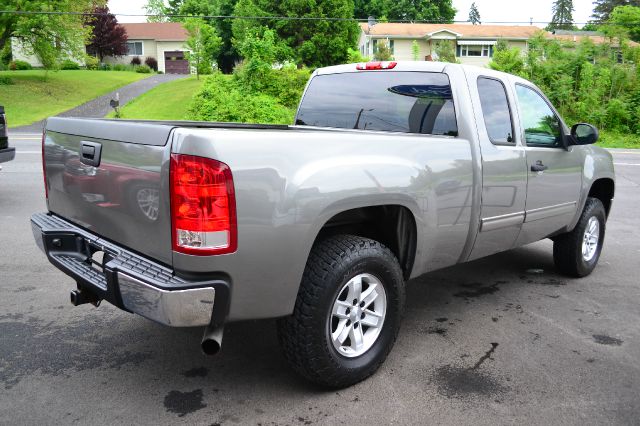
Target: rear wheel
pixel 347 314
pixel 576 253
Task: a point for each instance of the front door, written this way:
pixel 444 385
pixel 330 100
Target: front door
pixel 555 174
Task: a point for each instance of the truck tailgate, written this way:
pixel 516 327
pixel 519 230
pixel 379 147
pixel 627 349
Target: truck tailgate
pixel 111 178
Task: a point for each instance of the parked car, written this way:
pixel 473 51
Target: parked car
pixel 390 171
pixel 6 153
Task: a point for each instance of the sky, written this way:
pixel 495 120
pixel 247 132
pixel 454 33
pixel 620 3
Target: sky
pixel 490 10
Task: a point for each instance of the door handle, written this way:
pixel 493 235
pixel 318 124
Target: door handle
pixel 90 153
pixel 538 167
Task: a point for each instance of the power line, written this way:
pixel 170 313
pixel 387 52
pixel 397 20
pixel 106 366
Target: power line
pixel 280 18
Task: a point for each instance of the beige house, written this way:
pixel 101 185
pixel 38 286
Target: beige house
pixel 474 43
pixel 164 41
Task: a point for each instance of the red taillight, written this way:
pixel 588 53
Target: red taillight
pixel 44 168
pixel 376 66
pixel 203 206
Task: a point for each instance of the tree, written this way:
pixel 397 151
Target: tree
pixel 203 43
pixel 157 8
pixel 313 43
pixel 624 22
pixel 51 38
pixel 562 18
pixel 603 8
pixel 445 51
pixel 382 53
pixel 108 37
pixel 415 50
pixel 410 10
pixel 474 14
pixel 228 55
pixel 174 8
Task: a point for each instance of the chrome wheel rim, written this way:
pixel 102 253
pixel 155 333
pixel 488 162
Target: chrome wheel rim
pixel 357 315
pixel 590 239
pixel 149 201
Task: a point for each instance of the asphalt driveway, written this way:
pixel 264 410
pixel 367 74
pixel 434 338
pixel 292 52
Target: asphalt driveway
pixel 500 340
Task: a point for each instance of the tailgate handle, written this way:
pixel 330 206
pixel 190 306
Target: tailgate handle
pixel 90 153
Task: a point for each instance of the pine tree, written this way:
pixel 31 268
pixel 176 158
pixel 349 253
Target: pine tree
pixel 562 18
pixel 474 14
pixel 603 8
pixel 562 15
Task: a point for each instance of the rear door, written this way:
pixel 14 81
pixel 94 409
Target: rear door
pixel 111 179
pixel 504 174
pixel 555 174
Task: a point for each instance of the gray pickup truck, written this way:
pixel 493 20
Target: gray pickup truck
pixel 390 171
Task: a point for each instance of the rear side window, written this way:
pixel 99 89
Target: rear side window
pixel 495 110
pixel 407 102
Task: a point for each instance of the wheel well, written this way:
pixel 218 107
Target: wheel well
pixel 603 189
pixel 392 225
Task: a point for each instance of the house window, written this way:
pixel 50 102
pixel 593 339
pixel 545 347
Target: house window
pixel 476 50
pixel 134 48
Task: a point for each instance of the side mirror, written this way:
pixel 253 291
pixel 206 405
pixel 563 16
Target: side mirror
pixel 584 134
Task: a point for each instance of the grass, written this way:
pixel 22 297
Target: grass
pixel 167 101
pixel 32 98
pixel 618 140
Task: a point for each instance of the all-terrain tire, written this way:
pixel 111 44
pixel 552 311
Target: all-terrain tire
pixel 568 253
pixel 305 336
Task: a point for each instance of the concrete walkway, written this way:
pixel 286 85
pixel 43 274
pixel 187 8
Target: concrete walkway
pixel 100 107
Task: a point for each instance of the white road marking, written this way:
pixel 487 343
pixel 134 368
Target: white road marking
pixel 24 139
pixel 626 164
pixel 28 152
pixel 626 152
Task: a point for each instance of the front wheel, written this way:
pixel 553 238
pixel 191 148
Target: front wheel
pixel 576 253
pixel 347 314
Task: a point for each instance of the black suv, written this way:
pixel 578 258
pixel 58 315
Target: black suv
pixel 6 153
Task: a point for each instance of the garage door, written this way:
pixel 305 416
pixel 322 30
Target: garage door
pixel 175 63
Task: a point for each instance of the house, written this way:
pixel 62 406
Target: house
pixel 163 41
pixel 474 43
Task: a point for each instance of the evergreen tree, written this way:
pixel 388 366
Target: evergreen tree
pixel 603 8
pixel 562 18
pixel 474 14
pixel 313 43
pixel 410 10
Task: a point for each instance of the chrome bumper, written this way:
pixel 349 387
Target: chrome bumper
pixel 127 280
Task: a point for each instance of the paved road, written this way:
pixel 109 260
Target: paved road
pixel 100 107
pixel 489 342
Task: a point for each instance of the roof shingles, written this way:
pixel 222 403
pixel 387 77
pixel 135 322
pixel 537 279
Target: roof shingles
pixel 161 31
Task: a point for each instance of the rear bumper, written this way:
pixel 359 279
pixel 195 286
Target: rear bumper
pixel 7 154
pixel 127 280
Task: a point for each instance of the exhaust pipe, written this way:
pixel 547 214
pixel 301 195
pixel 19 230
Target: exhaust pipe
pixel 79 297
pixel 212 339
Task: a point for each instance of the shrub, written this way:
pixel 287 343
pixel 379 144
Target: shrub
pixel 105 67
pixel 135 61
pixel 151 63
pixel 5 80
pixel 68 64
pixel 160 72
pixel 143 69
pixel 19 66
pixel 91 62
pixel 119 67
pixel 220 99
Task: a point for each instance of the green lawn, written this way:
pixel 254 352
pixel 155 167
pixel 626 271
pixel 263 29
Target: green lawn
pixel 167 101
pixel 618 140
pixel 31 98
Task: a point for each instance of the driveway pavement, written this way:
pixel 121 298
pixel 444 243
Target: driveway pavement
pixel 99 107
pixel 501 340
